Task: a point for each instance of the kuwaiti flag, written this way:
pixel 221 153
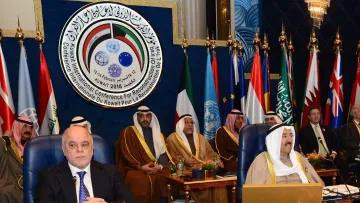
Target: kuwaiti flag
pixel 128 37
pixel 211 109
pixel 185 98
pixel 312 88
pixel 26 104
pixel 48 120
pixel 255 104
pixel 7 110
pixel 355 93
pixel 334 105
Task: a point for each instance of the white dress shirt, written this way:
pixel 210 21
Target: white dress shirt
pixel 87 179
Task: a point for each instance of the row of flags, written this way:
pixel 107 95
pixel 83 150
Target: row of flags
pixel 48 121
pixel 256 102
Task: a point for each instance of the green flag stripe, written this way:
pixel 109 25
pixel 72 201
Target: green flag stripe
pixel 131 35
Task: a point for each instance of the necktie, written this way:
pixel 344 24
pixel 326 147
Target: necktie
pixel 321 146
pixel 83 192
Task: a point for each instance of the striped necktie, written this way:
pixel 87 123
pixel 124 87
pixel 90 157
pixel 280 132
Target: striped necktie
pixel 83 192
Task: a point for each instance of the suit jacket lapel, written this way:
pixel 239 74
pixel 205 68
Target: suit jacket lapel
pixel 355 129
pixel 96 180
pixel 66 181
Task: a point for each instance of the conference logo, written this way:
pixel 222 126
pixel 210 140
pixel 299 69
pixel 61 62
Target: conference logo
pixel 110 55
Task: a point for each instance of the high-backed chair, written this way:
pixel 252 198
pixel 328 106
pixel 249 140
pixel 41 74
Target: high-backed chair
pixel 45 151
pixel 251 144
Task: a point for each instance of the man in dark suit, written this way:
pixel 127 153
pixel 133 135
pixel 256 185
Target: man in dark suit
pixel 309 142
pixel 80 179
pixel 350 137
pixel 310 134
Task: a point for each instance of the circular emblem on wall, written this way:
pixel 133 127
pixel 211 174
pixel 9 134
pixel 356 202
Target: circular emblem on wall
pixel 110 55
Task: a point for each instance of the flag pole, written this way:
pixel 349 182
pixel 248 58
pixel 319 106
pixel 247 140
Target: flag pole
pixel 19 35
pixel 257 40
pixel 265 45
pixel 39 37
pixel 313 43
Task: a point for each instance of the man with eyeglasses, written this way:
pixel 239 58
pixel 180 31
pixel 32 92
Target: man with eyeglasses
pixel 12 146
pixel 80 179
pixel 195 151
pixel 142 157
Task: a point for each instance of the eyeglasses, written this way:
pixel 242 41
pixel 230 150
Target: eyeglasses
pixel 73 145
pixel 189 122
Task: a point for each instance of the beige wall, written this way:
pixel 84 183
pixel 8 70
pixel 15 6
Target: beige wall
pixel 28 12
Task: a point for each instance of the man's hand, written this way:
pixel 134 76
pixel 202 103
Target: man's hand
pixel 157 167
pixel 332 156
pixel 94 200
pixel 220 164
pixel 322 157
pixel 190 162
pixel 148 168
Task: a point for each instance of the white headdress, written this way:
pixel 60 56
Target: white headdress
pixel 156 132
pixel 180 131
pixel 273 144
pixel 270 114
pixel 80 121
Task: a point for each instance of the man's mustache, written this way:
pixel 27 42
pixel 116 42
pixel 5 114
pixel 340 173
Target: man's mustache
pixel 288 143
pixel 145 123
pixel 27 133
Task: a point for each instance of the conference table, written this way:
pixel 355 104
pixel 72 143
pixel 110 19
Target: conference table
pixel 328 172
pixel 188 185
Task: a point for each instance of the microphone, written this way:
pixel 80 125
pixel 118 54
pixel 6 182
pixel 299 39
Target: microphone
pixel 332 162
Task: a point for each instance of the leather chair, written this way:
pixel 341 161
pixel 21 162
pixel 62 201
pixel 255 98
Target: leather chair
pixel 251 144
pixel 45 151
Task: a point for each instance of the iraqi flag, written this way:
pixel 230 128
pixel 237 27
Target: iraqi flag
pixel 185 98
pixel 255 104
pixel 48 120
pixel 7 110
pixel 334 104
pixel 312 88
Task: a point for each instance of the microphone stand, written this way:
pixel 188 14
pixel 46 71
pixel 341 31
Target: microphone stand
pixel 332 162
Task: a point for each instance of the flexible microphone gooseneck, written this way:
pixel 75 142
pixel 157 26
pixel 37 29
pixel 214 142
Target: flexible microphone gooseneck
pixel 332 162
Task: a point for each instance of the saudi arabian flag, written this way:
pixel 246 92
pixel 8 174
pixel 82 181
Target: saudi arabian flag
pixel 283 105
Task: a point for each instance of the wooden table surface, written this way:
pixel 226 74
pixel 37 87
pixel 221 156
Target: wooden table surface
pixel 180 183
pixel 328 172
